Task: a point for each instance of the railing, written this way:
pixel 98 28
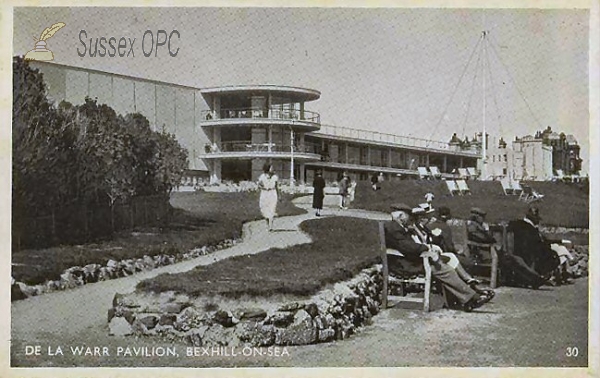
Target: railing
pixel 365 135
pixel 248 146
pixel 253 113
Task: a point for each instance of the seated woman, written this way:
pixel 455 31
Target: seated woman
pixel 441 237
pixel 400 237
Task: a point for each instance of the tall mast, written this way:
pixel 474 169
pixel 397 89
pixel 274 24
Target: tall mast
pixel 483 135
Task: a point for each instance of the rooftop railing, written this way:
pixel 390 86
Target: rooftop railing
pixel 253 113
pixel 374 136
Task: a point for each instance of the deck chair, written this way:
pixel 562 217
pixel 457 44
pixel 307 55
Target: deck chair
pixel 517 189
pixel 435 172
pixel 423 173
pixel 402 281
pixel 452 187
pixel 472 172
pixel 463 173
pixel 526 193
pixel 463 187
pixel 560 175
pixel 490 263
pixel 506 187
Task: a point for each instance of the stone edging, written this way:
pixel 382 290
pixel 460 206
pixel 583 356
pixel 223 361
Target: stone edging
pixel 77 275
pixel 332 314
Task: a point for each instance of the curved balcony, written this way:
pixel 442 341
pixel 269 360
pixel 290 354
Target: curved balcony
pixel 245 149
pixel 302 120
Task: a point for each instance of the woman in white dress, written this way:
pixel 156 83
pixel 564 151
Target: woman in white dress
pixel 267 183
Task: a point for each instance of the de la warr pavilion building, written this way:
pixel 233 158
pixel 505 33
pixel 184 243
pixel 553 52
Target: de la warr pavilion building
pixel 231 131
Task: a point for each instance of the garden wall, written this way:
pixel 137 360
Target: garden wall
pixel 332 314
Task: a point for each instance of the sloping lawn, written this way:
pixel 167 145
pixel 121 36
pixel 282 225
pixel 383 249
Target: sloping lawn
pixel 199 219
pixel 341 247
pixel 564 204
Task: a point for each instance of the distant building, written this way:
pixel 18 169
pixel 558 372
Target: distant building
pixel 535 157
pixel 565 151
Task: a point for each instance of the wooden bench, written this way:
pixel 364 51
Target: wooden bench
pixel 421 280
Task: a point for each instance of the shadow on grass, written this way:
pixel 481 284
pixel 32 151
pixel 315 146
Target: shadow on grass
pixel 197 219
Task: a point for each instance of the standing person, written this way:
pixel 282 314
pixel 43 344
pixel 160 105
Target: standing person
pixel 318 193
pixel 267 183
pixel 344 186
pixel 374 181
pixel 429 198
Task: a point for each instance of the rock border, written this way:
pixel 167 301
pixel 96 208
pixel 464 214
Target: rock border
pixel 332 314
pixel 77 276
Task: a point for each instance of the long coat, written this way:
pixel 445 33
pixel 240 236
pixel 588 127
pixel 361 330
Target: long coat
pixel 533 247
pixel 318 192
pixel 400 238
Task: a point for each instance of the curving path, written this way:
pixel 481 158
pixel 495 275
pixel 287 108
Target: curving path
pixel 505 332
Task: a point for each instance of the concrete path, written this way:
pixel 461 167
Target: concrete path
pixel 71 311
pixel 505 332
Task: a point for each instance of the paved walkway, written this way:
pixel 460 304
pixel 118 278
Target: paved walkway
pixel 506 332
pixel 74 310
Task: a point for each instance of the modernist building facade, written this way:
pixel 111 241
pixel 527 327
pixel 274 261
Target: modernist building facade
pixel 231 131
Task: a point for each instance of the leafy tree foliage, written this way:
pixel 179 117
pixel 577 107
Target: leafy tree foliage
pixel 82 156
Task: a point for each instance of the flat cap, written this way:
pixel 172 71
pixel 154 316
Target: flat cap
pixel 401 207
pixel 478 211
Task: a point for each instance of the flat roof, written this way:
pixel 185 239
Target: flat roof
pixel 92 70
pixel 295 94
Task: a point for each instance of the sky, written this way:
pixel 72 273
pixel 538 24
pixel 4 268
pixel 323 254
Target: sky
pixel 405 71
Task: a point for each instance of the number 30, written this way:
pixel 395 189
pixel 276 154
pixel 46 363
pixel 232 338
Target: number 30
pixel 572 352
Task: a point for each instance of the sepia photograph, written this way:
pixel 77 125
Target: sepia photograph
pixel 325 186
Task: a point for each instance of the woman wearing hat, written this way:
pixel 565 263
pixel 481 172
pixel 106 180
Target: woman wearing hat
pixel 431 231
pixel 399 236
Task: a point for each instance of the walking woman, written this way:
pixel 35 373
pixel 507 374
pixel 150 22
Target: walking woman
pixel 318 193
pixel 267 183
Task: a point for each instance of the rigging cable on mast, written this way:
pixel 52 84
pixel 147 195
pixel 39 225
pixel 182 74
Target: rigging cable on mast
pixel 454 92
pixel 501 132
pixel 472 92
pixel 516 86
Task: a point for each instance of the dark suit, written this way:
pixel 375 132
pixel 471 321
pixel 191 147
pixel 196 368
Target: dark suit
pixel 400 238
pixel 533 248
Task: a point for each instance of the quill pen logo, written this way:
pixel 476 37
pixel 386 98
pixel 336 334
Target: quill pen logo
pixel 40 52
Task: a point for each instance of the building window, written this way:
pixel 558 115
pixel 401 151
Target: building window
pixel 493 158
pixel 504 171
pixel 505 158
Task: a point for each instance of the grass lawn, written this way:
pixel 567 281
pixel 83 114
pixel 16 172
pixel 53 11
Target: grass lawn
pixel 341 247
pixel 199 219
pixel 564 204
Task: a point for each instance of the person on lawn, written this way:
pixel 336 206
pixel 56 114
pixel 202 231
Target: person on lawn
pixel 267 183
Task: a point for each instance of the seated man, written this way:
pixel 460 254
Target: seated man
pixel 398 236
pixel 479 232
pixel 532 246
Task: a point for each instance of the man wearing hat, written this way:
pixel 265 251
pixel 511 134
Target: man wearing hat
pixel 531 246
pixel 399 236
pixel 439 233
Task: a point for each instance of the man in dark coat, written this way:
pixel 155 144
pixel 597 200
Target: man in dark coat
pixel 399 237
pixel 531 245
